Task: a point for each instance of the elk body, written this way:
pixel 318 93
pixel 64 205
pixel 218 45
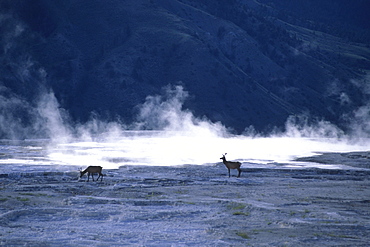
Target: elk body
pixel 231 165
pixel 90 171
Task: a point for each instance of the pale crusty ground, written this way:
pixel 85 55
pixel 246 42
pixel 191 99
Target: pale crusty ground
pixel 188 206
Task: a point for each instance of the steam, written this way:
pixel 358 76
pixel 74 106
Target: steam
pixel 304 126
pixel 12 29
pixel 360 127
pixel 53 119
pixel 166 134
pixel 167 114
pixel 360 118
pixel 21 118
pixel 13 110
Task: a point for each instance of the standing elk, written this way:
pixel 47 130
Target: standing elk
pixel 231 164
pixel 91 170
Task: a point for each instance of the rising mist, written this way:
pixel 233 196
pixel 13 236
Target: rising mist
pixel 242 64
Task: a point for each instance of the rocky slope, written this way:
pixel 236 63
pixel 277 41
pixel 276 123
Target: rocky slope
pixel 243 62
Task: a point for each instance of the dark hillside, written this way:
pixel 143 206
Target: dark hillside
pixel 347 19
pixel 243 62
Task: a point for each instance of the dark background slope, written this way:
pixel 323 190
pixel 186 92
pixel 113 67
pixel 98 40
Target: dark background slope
pixel 243 62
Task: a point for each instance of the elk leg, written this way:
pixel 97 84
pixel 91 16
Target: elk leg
pixel 240 171
pixel 229 171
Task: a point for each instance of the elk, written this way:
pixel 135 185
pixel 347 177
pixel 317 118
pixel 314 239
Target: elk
pixel 231 164
pixel 91 170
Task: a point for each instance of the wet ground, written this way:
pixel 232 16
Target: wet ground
pixel 189 206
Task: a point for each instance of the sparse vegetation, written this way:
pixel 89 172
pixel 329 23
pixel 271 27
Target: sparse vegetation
pixel 237 218
pixel 22 199
pixel 241 213
pixel 236 206
pixel 333 235
pixel 243 235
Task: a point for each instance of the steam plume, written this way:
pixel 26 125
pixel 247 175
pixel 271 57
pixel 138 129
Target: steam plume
pixel 167 113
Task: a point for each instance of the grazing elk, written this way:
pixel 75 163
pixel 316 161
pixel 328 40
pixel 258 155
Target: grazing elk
pixel 231 164
pixel 91 170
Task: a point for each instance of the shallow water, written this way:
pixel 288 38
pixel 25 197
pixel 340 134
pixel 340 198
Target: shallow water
pixel 170 149
pixel 172 190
